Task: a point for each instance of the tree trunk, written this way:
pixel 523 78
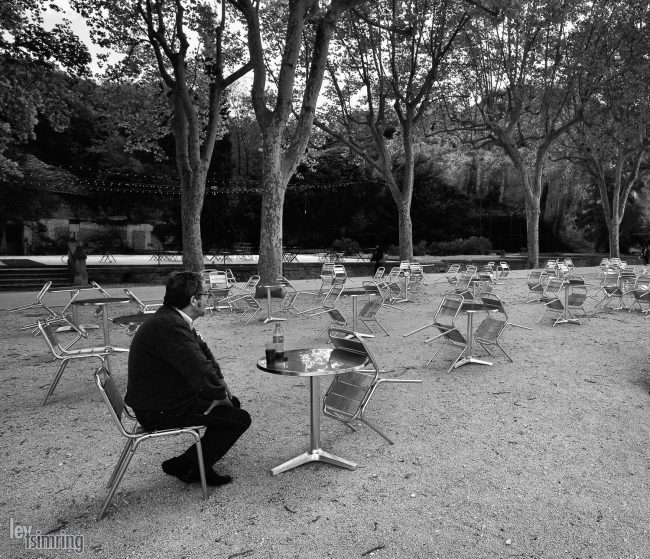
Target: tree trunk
pixel 532 194
pixel 405 230
pixel 274 184
pixel 192 194
pixel 613 234
pixel 614 221
pixel 532 233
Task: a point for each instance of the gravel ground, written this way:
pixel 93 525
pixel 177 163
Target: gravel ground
pixel 545 457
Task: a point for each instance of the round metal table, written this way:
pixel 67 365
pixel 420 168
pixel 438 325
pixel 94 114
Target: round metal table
pixel 314 363
pixel 103 302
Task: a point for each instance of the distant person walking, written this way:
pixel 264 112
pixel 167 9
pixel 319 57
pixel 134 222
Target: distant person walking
pixel 378 258
pixel 645 254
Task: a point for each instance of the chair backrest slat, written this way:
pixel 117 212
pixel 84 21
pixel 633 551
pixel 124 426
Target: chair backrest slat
pixel 50 337
pixel 371 308
pixel 112 396
pixel 347 340
pixel 218 279
pixel 448 310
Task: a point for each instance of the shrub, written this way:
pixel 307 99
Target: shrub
pixel 472 245
pixel 421 249
pixel 393 250
pixel 348 246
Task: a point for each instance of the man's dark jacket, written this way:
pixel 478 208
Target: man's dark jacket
pixel 169 365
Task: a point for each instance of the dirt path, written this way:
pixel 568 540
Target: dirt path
pixel 545 457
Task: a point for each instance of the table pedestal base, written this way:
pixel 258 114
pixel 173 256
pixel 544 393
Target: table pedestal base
pixel 468 360
pixel 270 318
pixel 571 320
pixel 71 329
pixel 317 455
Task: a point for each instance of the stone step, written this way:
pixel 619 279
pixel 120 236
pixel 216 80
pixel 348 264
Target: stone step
pixel 32 278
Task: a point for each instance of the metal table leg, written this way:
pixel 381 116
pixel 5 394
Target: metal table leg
pixel 315 453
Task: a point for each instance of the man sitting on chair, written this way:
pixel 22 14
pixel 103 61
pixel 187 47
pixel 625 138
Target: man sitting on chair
pixel 175 381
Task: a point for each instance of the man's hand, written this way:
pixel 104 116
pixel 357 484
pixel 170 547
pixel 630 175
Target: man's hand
pixel 215 403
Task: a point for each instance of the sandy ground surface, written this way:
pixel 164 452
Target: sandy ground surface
pixel 545 457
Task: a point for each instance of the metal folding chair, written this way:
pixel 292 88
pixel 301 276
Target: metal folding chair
pixel 445 321
pixel 641 294
pixel 490 331
pixel 574 301
pixel 291 294
pixel 551 267
pixel 502 273
pixel 627 282
pixel 464 286
pixel 326 276
pixel 246 307
pixel 536 282
pixel 336 320
pixel 135 435
pixel 451 275
pixel 611 289
pixel 145 306
pixel 349 394
pixel 368 313
pixel 329 302
pixel 492 302
pixel 230 278
pixel 64 354
pixel 37 303
pixel 236 291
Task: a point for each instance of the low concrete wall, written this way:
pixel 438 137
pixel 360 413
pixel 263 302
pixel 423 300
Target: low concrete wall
pixel 158 274
pixel 298 270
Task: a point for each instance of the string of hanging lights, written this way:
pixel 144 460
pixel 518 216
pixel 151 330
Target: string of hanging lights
pixel 133 183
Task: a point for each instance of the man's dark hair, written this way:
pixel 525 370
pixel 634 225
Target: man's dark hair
pixel 180 288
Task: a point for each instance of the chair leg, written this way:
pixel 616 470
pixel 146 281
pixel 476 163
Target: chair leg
pixel 519 326
pixel 349 425
pixel 434 355
pixel 323 331
pixel 252 316
pixel 457 359
pixel 542 315
pixel 199 454
pixel 55 380
pixel 504 352
pixel 120 461
pixel 486 348
pixel 116 483
pixel 381 326
pixel 375 429
pixel 401 380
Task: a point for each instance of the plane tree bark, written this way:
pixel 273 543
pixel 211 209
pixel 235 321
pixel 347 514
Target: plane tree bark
pixel 612 142
pixel 303 40
pixel 391 55
pixel 517 80
pixel 182 44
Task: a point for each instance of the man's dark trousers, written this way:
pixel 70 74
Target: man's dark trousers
pixel 225 424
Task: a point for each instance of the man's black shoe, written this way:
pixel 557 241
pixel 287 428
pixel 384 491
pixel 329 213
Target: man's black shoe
pixel 181 468
pixel 213 479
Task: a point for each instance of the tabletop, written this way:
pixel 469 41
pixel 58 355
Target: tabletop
pixel 103 301
pixel 469 306
pixel 136 318
pixel 313 362
pixel 64 288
